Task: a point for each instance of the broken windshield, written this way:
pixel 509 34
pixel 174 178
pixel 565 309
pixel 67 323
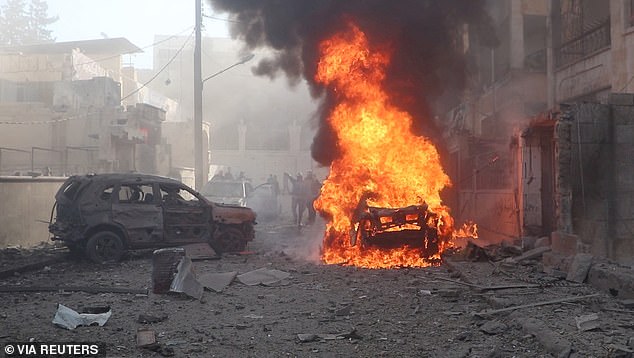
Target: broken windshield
pixel 223 189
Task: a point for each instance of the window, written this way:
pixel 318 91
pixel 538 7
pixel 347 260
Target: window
pixel 172 195
pixel 135 194
pixel 106 194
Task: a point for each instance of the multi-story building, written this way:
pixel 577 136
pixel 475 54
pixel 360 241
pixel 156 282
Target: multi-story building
pixel 61 111
pixel 518 156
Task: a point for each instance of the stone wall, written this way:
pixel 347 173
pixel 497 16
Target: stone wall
pixel 596 168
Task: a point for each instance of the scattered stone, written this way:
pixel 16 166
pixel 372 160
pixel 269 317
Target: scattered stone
pixel 528 243
pixel 564 243
pixel 145 337
pixel 542 242
pixel 528 255
pixel 615 279
pixel 550 340
pixel 498 302
pixel 493 327
pixel 453 293
pixel 146 318
pixel 345 311
pixel 579 268
pixel 620 351
pixel 587 322
pixel 629 303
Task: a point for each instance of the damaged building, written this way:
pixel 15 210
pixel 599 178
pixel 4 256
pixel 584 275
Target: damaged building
pixel 541 142
pixel 66 100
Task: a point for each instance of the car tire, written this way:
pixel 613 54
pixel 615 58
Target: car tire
pixel 232 240
pixel 104 246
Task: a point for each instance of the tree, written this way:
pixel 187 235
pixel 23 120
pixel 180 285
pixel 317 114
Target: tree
pixel 23 24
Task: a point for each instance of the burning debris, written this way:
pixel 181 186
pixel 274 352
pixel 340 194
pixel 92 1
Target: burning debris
pixel 378 65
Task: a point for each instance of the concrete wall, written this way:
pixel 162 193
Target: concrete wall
pixel 25 209
pixel 601 177
pixel 587 76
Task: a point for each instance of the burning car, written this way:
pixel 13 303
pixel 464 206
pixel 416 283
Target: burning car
pixel 413 225
pixel 102 215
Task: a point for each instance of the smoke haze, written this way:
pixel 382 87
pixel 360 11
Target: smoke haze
pixel 428 64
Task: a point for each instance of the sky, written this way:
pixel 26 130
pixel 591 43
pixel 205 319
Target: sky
pixel 136 20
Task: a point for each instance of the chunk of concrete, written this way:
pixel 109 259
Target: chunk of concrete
pixel 528 255
pixel 587 322
pixel 554 262
pixel 542 242
pixel 564 243
pixel 579 268
pixel 615 279
pixel 553 342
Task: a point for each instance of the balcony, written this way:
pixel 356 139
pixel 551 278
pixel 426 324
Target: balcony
pixel 584 45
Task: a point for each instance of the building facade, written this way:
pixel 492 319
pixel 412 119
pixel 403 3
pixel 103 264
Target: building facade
pixel 506 138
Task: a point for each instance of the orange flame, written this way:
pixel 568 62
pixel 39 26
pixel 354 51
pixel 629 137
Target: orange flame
pixel 379 155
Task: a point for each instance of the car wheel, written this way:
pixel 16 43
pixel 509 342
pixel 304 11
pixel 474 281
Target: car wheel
pixel 104 246
pixel 232 240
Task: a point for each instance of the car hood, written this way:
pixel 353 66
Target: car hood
pixel 232 214
pixel 230 200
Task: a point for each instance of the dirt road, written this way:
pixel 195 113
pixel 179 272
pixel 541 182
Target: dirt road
pixel 324 311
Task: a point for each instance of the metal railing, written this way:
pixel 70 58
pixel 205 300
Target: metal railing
pixel 582 46
pixel 536 61
pixel 60 166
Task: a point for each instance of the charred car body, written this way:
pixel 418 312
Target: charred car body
pixel 103 215
pixel 413 225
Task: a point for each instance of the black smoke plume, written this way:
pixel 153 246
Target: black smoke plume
pixel 428 65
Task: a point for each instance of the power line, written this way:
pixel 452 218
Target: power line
pixel 50 121
pixel 222 19
pixel 141 48
pixel 162 68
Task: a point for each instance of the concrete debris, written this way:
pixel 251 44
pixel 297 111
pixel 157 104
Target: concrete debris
pixel 217 281
pixel 70 319
pixel 263 276
pixel 493 327
pixel 345 311
pixel 587 322
pixel 579 268
pixel 615 279
pixel 145 337
pixel 529 255
pixel 550 340
pixel 544 303
pixel 185 280
pixel 629 303
pixel 311 337
pixel 620 351
pixel 146 318
pixel 542 242
pixel 200 251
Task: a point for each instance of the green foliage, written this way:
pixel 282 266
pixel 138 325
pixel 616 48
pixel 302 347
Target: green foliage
pixel 23 23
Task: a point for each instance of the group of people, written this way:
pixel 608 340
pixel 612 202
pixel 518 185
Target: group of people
pixel 304 190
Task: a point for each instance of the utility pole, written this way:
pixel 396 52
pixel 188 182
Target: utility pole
pixel 198 103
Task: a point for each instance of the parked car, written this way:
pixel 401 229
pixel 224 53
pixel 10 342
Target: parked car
pixel 234 192
pixel 103 215
pixel 263 199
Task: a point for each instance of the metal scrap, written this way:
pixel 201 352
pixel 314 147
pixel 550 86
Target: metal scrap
pixel 70 319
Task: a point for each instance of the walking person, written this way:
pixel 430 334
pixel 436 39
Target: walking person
pixel 298 197
pixel 312 189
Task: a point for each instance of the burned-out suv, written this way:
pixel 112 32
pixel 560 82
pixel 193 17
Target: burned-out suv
pixel 103 215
